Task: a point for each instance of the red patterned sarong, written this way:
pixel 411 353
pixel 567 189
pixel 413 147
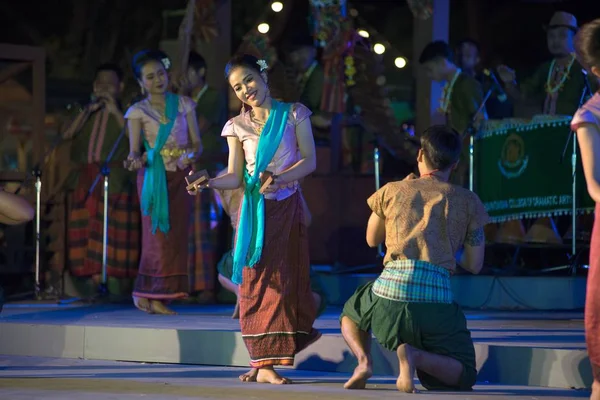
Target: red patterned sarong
pixel 277 311
pixel 592 301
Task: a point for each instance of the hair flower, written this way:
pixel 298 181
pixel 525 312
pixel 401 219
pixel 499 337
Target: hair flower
pixel 262 64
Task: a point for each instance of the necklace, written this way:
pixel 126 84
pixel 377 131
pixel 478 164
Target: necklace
pixel 447 92
pixel 258 125
pixel 431 174
pixel 565 75
pixel 162 113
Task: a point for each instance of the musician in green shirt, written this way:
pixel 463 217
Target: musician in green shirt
pixel 556 85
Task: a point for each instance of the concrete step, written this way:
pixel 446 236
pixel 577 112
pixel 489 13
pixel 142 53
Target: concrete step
pixel 526 349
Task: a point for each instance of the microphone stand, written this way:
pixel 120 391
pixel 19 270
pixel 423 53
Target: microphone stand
pixel 469 131
pixel 104 172
pixel 376 157
pixel 36 173
pixel 572 134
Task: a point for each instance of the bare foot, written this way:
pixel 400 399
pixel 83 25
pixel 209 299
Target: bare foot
pixel 236 311
pixel 142 304
pixel 405 382
pixel 158 307
pixel 595 391
pixel 359 379
pixel 249 376
pixel 268 375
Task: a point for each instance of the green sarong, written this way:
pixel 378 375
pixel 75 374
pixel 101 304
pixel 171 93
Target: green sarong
pixel 433 327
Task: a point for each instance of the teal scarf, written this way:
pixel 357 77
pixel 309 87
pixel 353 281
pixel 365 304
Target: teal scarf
pixel 155 199
pixel 251 225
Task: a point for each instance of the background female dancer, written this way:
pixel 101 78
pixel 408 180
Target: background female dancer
pixel 587 124
pixel 271 261
pixel 168 127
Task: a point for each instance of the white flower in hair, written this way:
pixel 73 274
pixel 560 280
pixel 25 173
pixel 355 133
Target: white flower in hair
pixel 166 62
pixel 262 64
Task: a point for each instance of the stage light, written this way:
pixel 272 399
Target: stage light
pixel 277 6
pixel 263 28
pixel 363 33
pixel 353 12
pixel 400 62
pixel 379 48
pixel 380 80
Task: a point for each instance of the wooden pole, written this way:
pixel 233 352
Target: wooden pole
pixel 428 93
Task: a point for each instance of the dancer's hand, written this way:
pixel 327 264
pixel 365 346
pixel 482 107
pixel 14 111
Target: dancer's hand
pixel 198 188
pixel 274 184
pixel 134 162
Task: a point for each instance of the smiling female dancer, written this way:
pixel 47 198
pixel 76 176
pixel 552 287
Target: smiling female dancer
pixel 271 261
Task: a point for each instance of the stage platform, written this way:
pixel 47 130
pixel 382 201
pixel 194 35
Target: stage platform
pixel 543 349
pixel 36 378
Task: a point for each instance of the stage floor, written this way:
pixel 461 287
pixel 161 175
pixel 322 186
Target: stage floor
pixel 33 378
pixel 544 349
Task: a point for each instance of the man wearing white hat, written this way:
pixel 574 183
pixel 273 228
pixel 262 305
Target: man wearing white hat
pixel 556 84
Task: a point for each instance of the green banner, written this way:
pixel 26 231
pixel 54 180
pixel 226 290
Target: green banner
pixel 519 173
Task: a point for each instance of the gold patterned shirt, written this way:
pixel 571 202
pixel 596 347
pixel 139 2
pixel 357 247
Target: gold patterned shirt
pixel 426 219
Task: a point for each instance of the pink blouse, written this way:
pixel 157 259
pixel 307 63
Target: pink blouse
pixel 244 129
pixel 589 113
pixel 179 138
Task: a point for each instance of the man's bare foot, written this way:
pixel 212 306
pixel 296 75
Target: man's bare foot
pixel 158 307
pixel 405 382
pixel 236 310
pixel 359 379
pixel 249 376
pixel 142 304
pixel 268 375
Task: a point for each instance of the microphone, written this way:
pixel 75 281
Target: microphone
pixel 502 97
pixel 96 100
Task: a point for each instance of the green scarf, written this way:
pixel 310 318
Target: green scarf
pixel 251 225
pixel 155 198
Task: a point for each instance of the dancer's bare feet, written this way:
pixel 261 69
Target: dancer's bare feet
pixel 249 376
pixel 361 374
pixel 236 310
pixel 142 304
pixel 595 391
pixel 268 375
pixel 158 307
pixel 405 382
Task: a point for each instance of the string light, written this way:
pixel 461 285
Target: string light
pixel 400 62
pixel 277 6
pixel 263 28
pixel 379 48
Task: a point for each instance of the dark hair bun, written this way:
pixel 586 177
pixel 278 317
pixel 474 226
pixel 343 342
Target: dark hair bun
pixel 244 61
pixel 144 57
